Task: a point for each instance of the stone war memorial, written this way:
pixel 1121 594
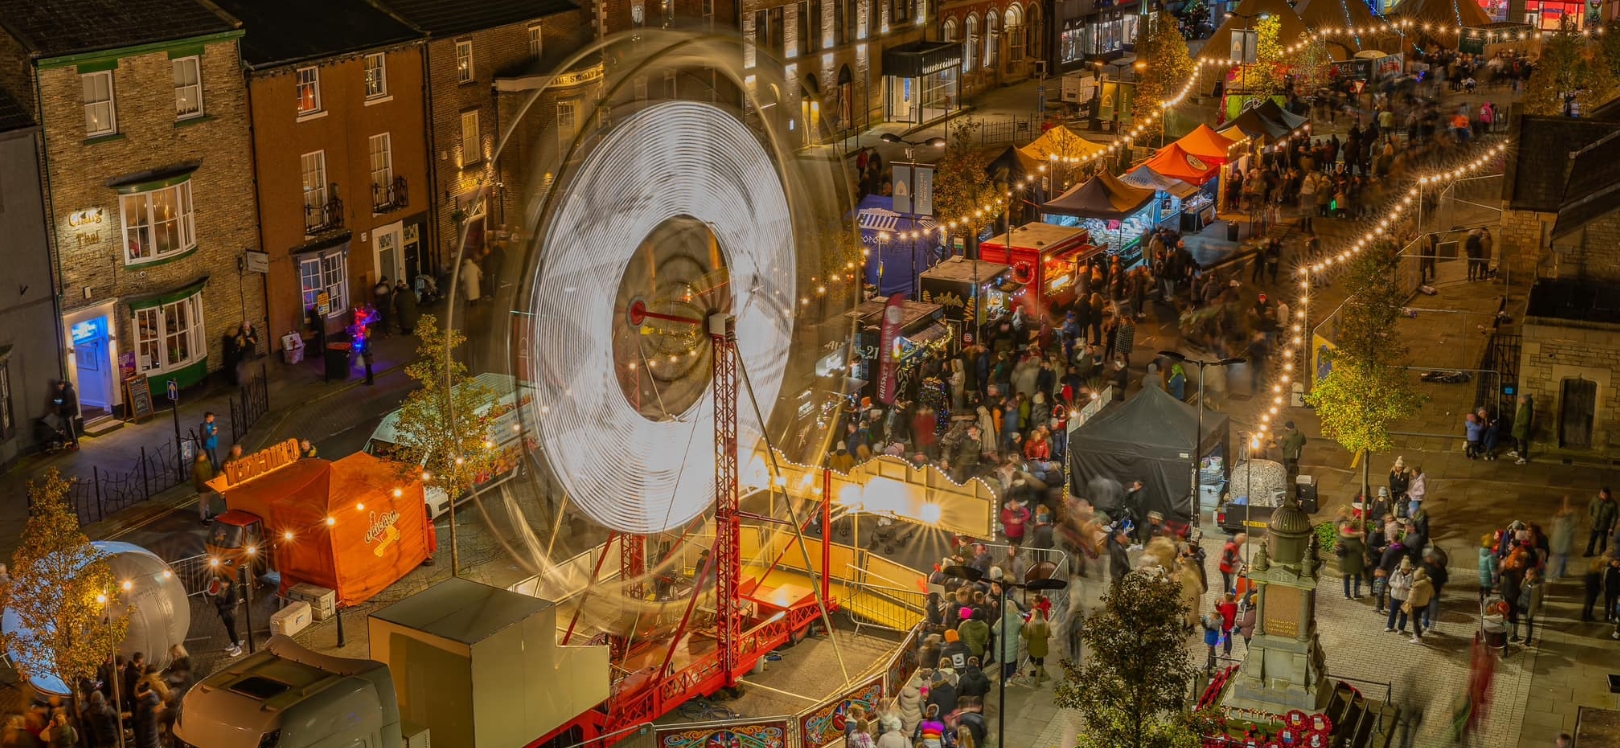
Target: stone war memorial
pixel 1282 691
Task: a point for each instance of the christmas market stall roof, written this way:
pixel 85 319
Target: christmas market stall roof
pixel 1173 162
pixel 893 262
pixel 1148 438
pixel 1443 13
pixel 1267 122
pixel 1148 179
pixel 1219 45
pixel 1208 145
pixel 1023 161
pixel 1332 15
pixel 1103 197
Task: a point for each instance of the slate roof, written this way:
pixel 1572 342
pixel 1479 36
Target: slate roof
pixel 451 17
pixel 286 31
pixel 1540 167
pixel 56 28
pixel 12 114
pixel 1593 190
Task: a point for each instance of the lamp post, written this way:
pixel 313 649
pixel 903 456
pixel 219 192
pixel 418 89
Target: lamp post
pixel 972 576
pixel 911 176
pixel 118 710
pixel 1198 439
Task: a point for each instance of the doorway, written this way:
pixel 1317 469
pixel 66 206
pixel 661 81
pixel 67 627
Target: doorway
pixel 1577 409
pixel 92 362
pixel 387 251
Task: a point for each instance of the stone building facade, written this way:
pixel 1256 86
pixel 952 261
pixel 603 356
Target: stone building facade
pixel 465 53
pixel 340 154
pixel 30 338
pixel 143 111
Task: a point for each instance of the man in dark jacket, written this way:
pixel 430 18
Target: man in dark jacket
pixel 973 681
pixel 148 717
pixel 1119 561
pixel 972 717
pixel 942 694
pixel 954 654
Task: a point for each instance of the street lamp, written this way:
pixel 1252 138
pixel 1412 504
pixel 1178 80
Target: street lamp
pixel 972 576
pixel 911 176
pixel 1198 439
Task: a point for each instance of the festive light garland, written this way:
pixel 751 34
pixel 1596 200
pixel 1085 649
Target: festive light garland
pixel 1404 25
pixel 672 159
pixel 1294 337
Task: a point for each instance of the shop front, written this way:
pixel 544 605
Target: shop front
pixel 1095 30
pixel 972 293
pixel 1043 257
pixel 170 340
pixel 1110 211
pixel 921 81
pixel 898 246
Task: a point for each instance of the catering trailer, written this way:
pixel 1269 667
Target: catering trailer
pixel 353 526
pixel 1044 258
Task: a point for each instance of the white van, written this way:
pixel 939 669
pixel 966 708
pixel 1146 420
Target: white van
pixel 511 397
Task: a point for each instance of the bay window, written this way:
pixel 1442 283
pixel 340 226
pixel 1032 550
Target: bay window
pixel 158 223
pixel 169 334
pixel 327 272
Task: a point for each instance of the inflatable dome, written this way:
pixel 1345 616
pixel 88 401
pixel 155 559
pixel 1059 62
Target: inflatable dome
pixel 159 615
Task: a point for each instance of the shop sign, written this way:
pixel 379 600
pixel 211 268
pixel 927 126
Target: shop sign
pixel 323 303
pixel 87 225
pixel 260 463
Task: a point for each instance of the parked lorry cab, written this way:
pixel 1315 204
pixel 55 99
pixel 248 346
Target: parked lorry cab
pixel 286 696
pixel 354 525
pixel 511 396
pixel 459 664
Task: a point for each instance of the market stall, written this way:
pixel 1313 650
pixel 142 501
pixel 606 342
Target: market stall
pixel 972 292
pixel 1213 148
pixel 1149 437
pixel 922 328
pixel 353 525
pixel 1058 151
pixel 1108 209
pixel 1173 194
pixel 1043 258
pixel 900 246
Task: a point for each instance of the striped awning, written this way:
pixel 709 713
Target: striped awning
pixel 878 219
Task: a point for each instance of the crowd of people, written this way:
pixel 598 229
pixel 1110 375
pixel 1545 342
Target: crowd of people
pixel 132 695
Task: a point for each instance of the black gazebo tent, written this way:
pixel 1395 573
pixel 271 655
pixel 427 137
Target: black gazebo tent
pixel 1148 438
pixel 1103 197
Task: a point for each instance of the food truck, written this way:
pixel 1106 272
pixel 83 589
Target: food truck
pixel 951 284
pixel 1043 258
pixel 353 526
pixel 921 325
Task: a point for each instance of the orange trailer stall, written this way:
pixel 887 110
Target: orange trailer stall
pixel 351 525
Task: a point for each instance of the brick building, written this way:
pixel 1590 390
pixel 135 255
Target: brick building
pixel 470 43
pixel 339 150
pixel 30 337
pixel 143 112
pixel 1001 40
pixel 1561 226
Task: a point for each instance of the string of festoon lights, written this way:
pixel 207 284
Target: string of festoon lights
pixel 1294 339
pixel 993 207
pixel 1406 25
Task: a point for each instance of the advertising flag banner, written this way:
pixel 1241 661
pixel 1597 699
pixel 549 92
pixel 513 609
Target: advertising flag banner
pixel 894 314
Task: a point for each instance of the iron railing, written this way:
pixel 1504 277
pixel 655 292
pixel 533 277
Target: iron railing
pixel 251 402
pixel 328 216
pixel 389 197
pixel 106 491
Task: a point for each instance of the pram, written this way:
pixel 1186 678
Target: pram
pixel 49 433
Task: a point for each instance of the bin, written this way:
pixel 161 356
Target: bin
pixel 337 361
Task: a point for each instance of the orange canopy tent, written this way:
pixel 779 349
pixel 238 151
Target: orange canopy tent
pixel 1176 163
pixel 1209 146
pixel 355 526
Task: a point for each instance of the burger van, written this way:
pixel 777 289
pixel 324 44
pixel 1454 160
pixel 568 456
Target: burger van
pixel 506 417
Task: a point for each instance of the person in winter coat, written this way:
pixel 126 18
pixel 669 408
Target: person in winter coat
pixel 1561 540
pixel 1611 588
pixel 893 735
pixel 1119 561
pixel 1434 565
pixel 1228 608
pixel 973 681
pixel 1530 598
pixel 930 732
pixel 1352 553
pixel 1521 429
pixel 148 717
pixel 100 722
pixel 1248 615
pixel 987 431
pixel 1416 489
pixel 1418 597
pixel 1231 561
pixel 1192 589
pixel 1007 639
pixel 1014 518
pixel 928 653
pixel 1603 512
pixel 1036 634
pixel 1212 636
pixel 955 653
pixel 1593 579
pixel 975 633
pixel 1399 479
pixel 1177 385
pixel 406 311
pixel 941 695
pixel 910 705
pixel 471 280
pixel 1488 566
pixel 1400 586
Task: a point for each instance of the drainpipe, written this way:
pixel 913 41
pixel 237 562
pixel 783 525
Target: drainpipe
pixel 49 206
pixel 432 159
pixel 253 174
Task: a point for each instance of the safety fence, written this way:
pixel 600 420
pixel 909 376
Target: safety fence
pixel 251 402
pixel 1006 130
